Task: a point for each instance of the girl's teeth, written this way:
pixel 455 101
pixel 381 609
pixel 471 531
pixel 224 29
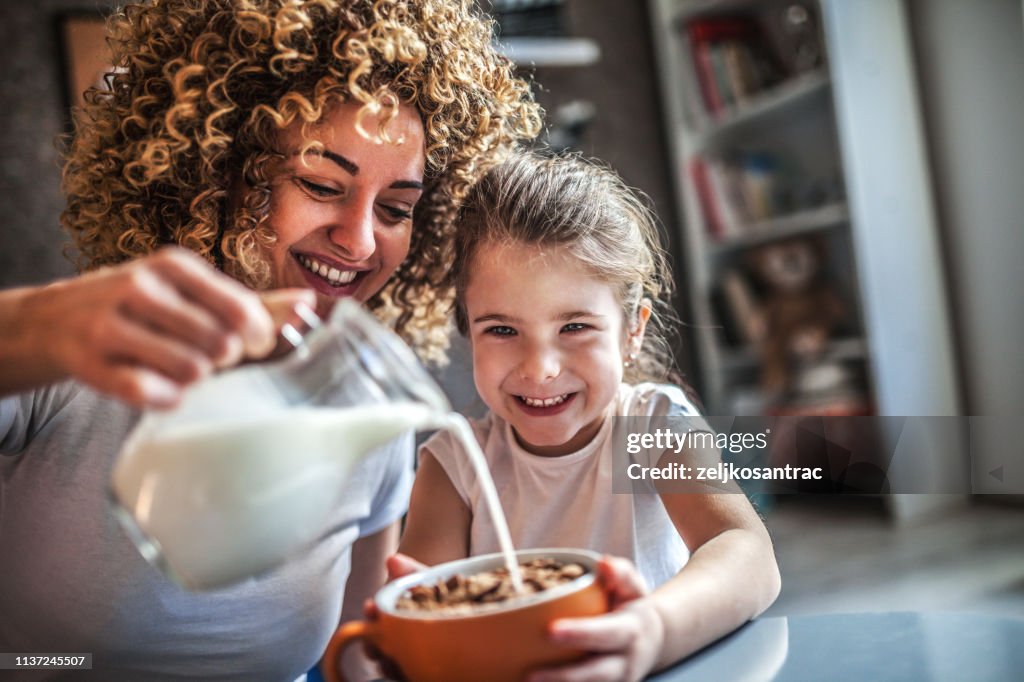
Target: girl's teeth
pixel 545 402
pixel 332 275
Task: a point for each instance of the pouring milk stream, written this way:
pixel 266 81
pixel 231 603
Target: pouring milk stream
pixel 243 474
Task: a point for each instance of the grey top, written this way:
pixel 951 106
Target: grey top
pixel 71 581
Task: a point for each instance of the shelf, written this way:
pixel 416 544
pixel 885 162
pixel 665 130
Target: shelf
pixel 550 52
pixel 852 348
pixel 779 99
pixel 793 225
pixel 693 8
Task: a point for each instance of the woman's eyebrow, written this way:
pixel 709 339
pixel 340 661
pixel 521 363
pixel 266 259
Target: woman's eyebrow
pixel 352 169
pixel 345 164
pixel 496 317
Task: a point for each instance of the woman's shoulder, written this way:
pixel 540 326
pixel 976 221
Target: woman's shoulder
pixel 649 399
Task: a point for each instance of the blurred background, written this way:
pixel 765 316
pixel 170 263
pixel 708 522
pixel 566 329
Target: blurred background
pixel 840 186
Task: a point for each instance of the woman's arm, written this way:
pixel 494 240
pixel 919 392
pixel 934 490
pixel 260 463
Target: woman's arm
pixel 437 527
pixel 140 331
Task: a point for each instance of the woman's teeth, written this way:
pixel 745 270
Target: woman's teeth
pixel 545 402
pixel 333 275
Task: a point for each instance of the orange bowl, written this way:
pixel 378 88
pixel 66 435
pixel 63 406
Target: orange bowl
pixel 502 643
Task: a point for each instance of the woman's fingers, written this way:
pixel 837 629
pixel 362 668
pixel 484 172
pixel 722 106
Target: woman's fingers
pixel 144 330
pixel 283 304
pixel 136 386
pixel 154 302
pixel 238 309
pixel 138 345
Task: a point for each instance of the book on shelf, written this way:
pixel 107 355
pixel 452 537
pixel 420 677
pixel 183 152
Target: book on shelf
pixel 730 59
pixel 737 191
pixel 708 204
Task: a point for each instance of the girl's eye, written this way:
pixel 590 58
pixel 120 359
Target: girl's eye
pixel 500 330
pixel 574 327
pixel 317 190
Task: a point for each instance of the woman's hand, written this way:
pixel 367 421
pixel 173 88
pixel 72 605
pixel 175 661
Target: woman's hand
pixel 398 565
pixel 625 643
pixel 140 331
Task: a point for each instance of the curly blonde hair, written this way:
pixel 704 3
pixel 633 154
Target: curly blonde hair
pixel 583 205
pixel 201 89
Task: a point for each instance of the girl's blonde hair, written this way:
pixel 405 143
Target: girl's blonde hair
pixel 583 206
pixel 202 89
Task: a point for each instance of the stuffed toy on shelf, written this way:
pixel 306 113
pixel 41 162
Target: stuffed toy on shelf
pixel 799 311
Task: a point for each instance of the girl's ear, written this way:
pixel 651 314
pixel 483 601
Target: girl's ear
pixel 635 335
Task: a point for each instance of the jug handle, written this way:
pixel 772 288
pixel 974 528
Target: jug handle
pixel 330 665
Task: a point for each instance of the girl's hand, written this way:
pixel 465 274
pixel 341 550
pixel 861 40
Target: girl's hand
pixel 625 643
pixel 144 330
pixel 400 565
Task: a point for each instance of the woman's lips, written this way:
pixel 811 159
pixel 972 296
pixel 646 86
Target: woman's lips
pixel 544 410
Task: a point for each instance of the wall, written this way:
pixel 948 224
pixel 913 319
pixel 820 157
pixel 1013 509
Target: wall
pixel 30 121
pixel 970 57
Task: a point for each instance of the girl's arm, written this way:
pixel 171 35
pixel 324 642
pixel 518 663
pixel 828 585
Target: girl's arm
pixel 437 527
pixel 731 577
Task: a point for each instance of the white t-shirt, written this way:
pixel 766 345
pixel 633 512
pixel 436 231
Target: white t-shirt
pixel 568 501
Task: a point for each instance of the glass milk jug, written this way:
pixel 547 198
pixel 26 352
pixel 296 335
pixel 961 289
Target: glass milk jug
pixel 245 471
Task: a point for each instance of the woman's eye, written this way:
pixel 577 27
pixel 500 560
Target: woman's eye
pixel 500 331
pixel 317 189
pixel 395 213
pixel 573 327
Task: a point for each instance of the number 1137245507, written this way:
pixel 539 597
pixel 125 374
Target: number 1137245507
pixel 38 661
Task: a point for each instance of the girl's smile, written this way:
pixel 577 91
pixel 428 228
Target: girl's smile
pixel 547 339
pixel 546 407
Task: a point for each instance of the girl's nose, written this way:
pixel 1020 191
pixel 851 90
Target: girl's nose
pixel 353 231
pixel 540 365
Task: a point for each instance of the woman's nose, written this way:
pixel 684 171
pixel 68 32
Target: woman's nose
pixel 353 231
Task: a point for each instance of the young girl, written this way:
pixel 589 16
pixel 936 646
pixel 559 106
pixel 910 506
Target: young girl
pixel 557 271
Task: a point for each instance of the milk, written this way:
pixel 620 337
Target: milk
pixel 216 502
pixel 459 427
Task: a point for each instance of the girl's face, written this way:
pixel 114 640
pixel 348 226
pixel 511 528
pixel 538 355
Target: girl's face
pixel 548 342
pixel 343 217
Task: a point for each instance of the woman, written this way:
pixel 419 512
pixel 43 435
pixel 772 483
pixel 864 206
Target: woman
pixel 275 144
